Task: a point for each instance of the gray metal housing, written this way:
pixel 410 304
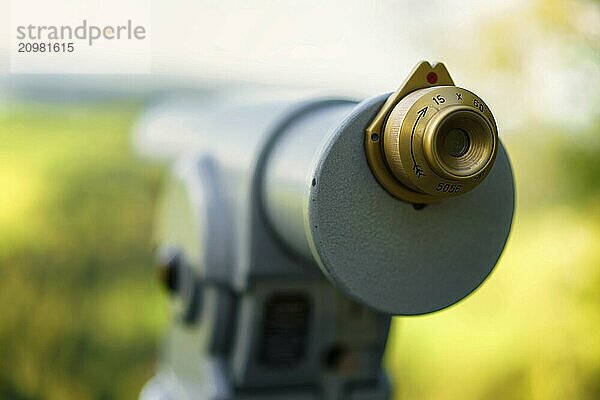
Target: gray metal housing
pixel 266 199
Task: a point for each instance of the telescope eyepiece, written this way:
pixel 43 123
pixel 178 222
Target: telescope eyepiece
pixel 437 143
pixel 431 142
pixel 459 143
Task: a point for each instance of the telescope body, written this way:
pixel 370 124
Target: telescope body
pixel 290 257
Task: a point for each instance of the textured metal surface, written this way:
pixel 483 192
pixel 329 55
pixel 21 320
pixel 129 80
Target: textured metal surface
pixel 384 252
pixel 288 170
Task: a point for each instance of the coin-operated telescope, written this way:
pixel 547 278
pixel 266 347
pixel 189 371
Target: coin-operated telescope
pixel 292 230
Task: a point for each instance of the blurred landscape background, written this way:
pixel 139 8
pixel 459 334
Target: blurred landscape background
pixel 82 313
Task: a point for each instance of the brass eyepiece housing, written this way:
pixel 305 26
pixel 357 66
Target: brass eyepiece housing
pixel 435 142
pixel 458 143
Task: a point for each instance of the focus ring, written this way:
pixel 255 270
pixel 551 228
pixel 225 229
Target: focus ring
pixel 440 141
pixel 399 167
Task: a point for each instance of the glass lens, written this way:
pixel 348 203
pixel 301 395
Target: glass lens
pixel 456 143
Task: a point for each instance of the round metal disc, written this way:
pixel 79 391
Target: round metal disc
pixel 385 252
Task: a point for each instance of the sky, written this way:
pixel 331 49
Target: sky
pixel 359 48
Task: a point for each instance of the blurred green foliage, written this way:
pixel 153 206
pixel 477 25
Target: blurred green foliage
pixel 81 311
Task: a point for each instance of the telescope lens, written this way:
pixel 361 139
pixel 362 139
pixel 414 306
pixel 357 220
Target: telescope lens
pixel 437 142
pixel 455 142
pixel 459 144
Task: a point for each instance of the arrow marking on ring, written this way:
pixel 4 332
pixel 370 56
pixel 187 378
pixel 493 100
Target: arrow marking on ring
pixel 416 167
